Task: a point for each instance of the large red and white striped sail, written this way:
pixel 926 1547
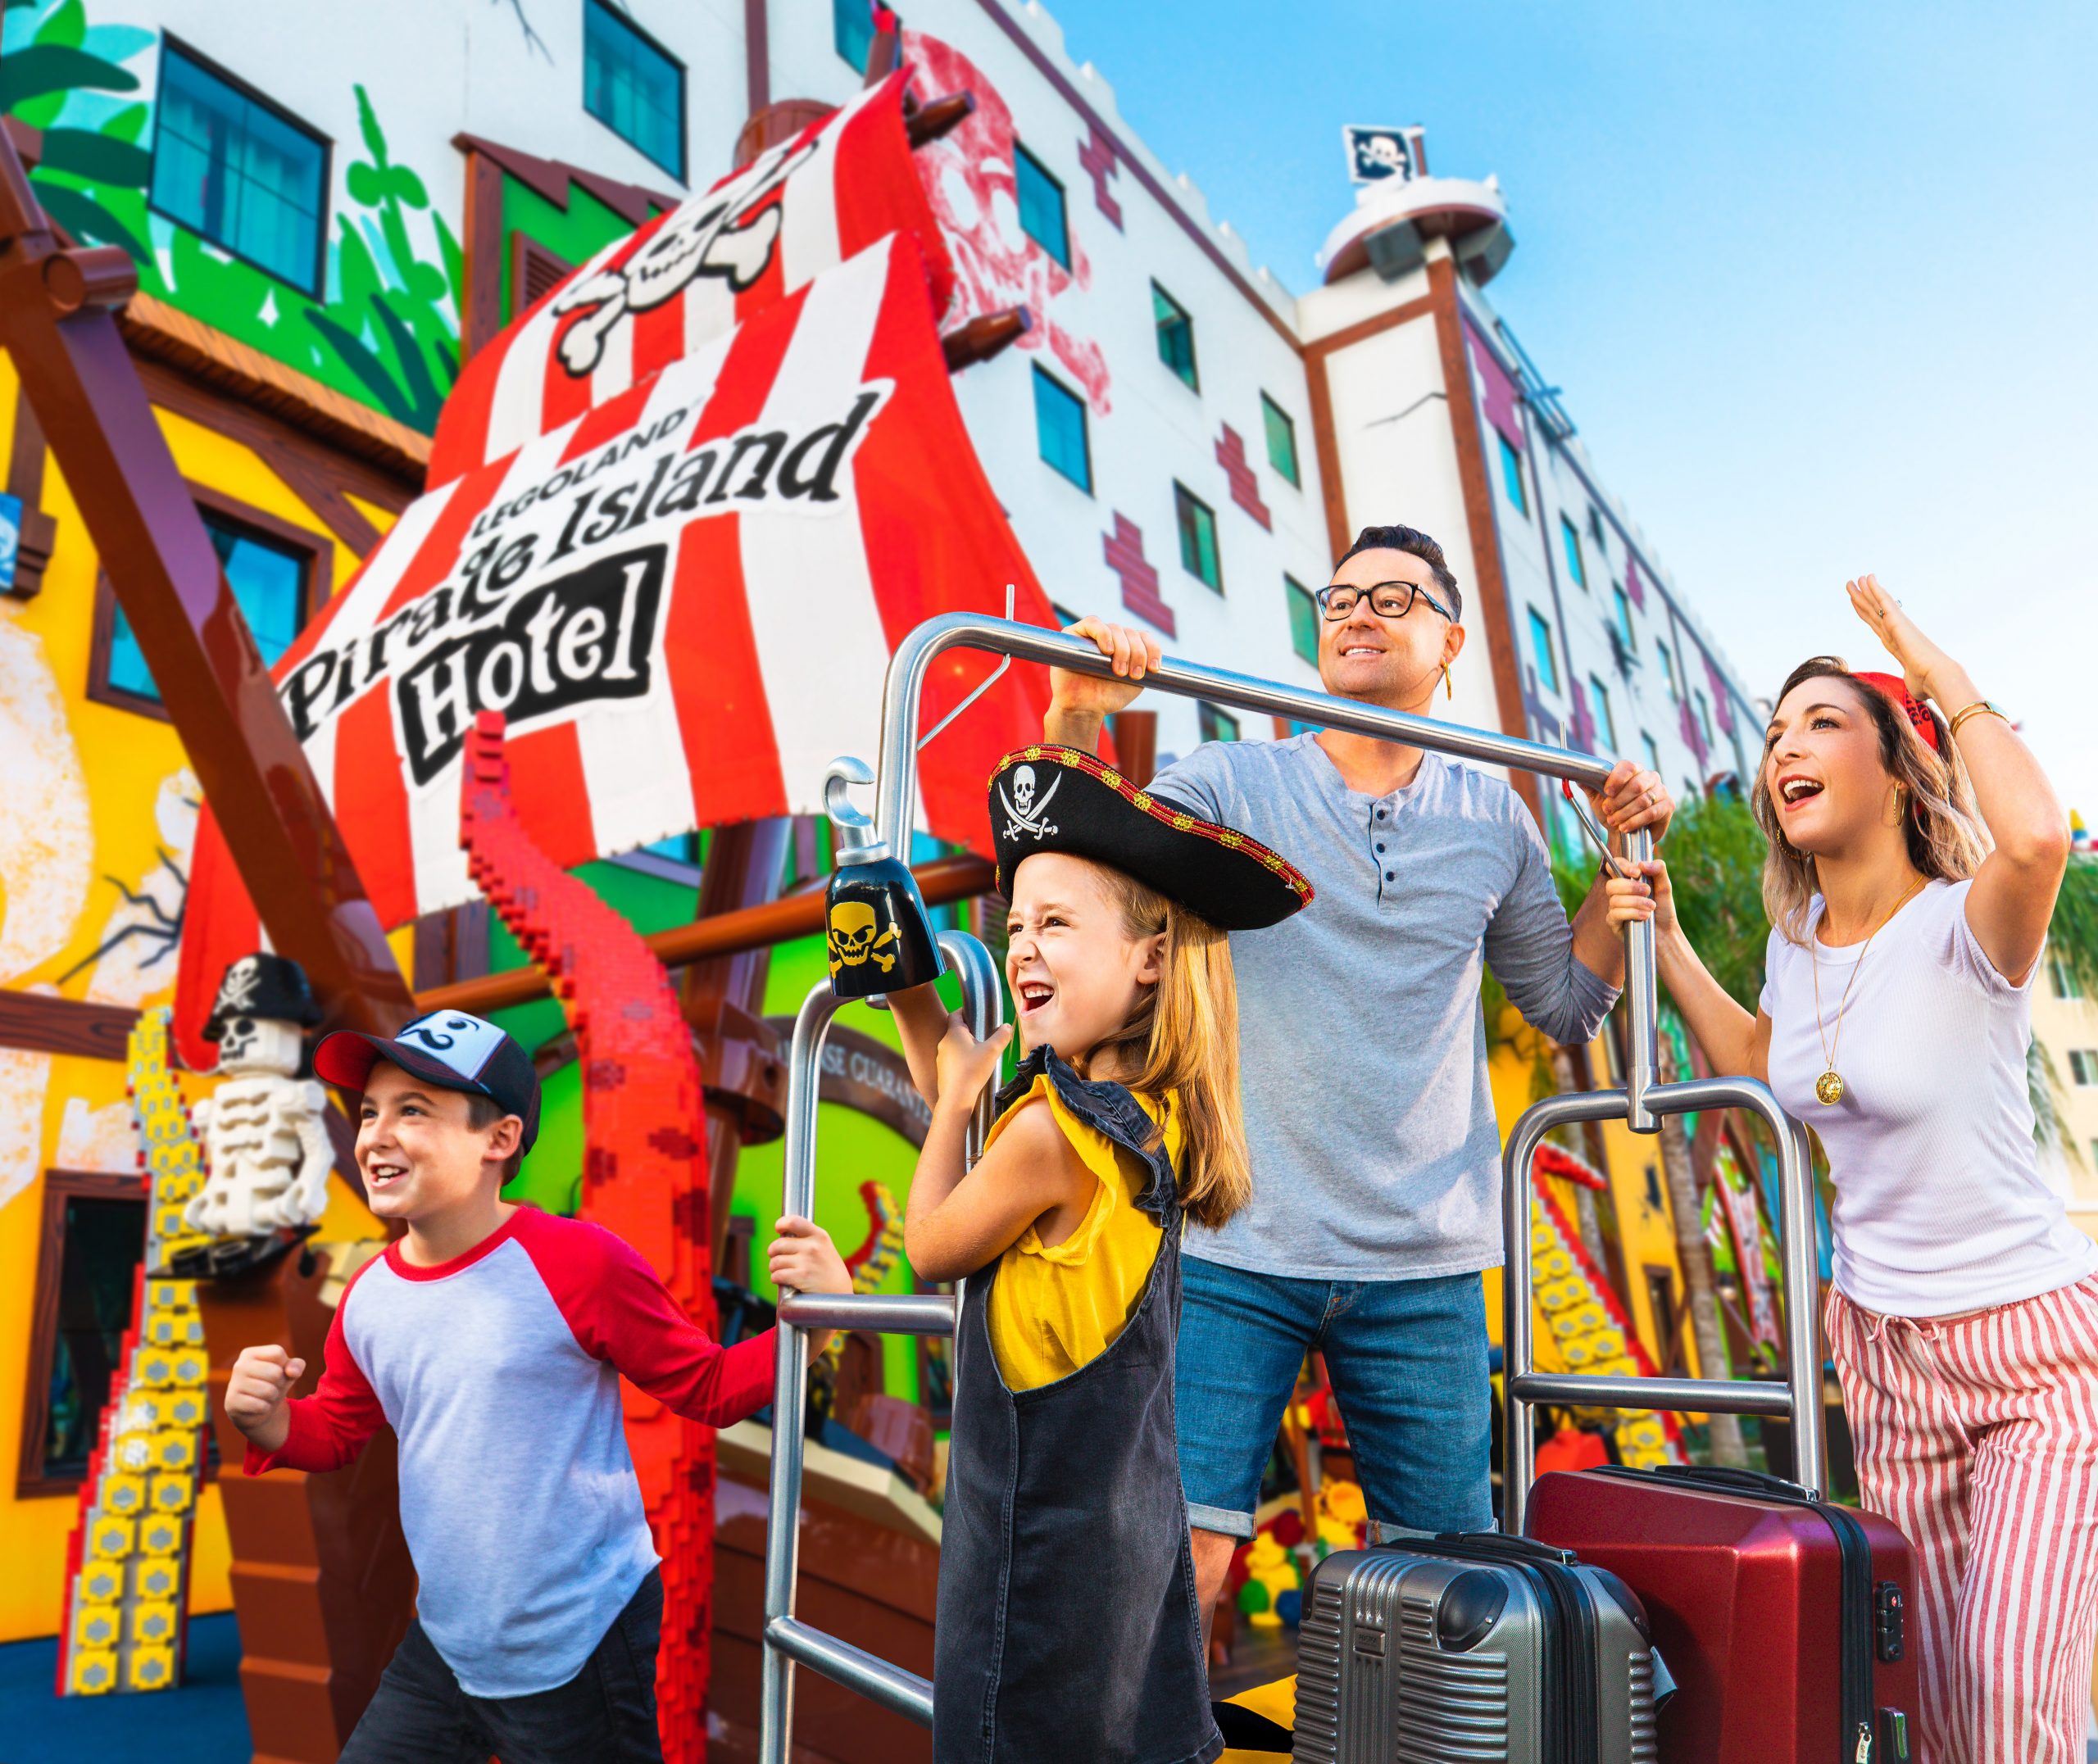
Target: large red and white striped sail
pixel 683 600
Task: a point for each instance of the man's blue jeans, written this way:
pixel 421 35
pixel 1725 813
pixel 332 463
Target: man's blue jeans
pixel 1408 1360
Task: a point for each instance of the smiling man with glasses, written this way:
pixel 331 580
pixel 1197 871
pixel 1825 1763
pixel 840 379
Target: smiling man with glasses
pixel 1375 1152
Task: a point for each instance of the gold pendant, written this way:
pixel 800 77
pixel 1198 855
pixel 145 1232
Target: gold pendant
pixel 1829 1087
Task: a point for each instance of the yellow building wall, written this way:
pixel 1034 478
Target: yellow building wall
pixel 91 793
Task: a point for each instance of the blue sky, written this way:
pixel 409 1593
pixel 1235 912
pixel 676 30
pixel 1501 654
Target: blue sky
pixel 1818 281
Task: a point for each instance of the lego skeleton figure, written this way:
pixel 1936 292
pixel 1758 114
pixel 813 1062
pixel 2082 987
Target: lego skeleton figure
pixel 266 1152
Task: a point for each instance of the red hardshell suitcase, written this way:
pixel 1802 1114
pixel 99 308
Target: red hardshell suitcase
pixel 1787 1623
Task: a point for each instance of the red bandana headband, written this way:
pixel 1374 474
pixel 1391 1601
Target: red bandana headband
pixel 1890 685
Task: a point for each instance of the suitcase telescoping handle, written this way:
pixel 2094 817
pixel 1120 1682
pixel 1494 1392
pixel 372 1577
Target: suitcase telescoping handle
pixel 1797 1397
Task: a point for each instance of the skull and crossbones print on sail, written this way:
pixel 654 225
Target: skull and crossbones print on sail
pixel 1024 813
pixel 717 235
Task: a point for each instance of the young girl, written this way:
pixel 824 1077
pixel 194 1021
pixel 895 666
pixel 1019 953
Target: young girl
pixel 1896 1017
pixel 1067 1625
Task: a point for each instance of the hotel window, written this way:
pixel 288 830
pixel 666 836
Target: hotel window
pixel 94 1237
pixel 1511 473
pixel 1041 206
pixel 1653 753
pixel 1282 439
pixel 1217 725
pixel 1059 430
pixel 1570 536
pixel 1704 716
pixel 232 167
pixel 1668 671
pixel 634 87
pixel 1303 619
pixel 1604 719
pixel 1176 335
pixel 272 567
pixel 1198 523
pixel 1540 646
pixel 2083 1065
pixel 1595 531
pixel 1622 603
pixel 2061 979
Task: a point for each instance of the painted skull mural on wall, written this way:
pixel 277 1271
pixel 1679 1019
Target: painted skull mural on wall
pixel 970 183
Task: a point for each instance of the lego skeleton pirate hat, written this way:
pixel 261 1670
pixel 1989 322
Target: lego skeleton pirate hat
pixel 446 1048
pixel 1057 799
pixel 272 987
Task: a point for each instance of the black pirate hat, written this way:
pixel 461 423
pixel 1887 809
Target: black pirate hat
pixel 1057 799
pixel 269 987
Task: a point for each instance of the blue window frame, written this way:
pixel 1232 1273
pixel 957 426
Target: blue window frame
pixel 1216 723
pixel 1282 440
pixel 1059 430
pixel 1622 604
pixel 1511 473
pixel 1653 753
pixel 236 169
pixel 1176 336
pixel 1571 536
pixel 1667 670
pixel 268 580
pixel 1547 660
pixel 1041 206
pixel 1604 720
pixel 1304 620
pixel 634 86
pixel 1197 522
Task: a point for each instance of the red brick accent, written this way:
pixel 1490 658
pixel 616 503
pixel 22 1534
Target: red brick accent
pixel 1124 551
pixel 1098 157
pixel 1245 487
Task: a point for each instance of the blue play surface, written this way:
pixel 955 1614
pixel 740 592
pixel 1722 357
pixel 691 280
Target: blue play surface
pixel 204 1722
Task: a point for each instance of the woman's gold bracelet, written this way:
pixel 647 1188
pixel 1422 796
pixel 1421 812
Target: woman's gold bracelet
pixel 1980 708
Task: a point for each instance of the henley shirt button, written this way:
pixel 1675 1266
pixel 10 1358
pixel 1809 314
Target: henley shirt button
pixel 1380 814
pixel 1390 876
pixel 1380 844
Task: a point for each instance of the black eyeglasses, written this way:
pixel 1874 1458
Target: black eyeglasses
pixel 1388 599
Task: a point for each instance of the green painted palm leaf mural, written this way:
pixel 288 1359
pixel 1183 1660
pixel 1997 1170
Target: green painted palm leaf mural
pixel 385 329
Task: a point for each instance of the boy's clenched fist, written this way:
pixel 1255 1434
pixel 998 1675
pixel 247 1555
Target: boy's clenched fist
pixel 257 1388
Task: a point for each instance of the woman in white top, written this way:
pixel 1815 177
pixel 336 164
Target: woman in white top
pixel 1914 859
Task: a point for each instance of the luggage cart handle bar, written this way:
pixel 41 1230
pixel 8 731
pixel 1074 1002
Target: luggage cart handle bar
pixel 1798 1398
pixel 889 1313
pixel 897 778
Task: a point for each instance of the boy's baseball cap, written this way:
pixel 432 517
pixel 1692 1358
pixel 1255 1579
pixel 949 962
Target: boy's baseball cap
pixel 449 1048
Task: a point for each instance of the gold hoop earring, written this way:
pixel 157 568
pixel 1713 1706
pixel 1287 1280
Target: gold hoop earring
pixel 1448 689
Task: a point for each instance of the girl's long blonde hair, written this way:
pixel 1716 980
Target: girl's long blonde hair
pixel 1940 820
pixel 1186 1037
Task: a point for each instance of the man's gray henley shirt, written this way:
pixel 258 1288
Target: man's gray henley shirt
pixel 1362 1048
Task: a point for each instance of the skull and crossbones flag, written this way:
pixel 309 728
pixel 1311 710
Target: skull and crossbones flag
pixel 684 600
pixel 691 275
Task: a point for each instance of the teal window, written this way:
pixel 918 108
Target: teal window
pixel 1511 473
pixel 1059 429
pixel 1303 619
pixel 1282 440
pixel 1540 647
pixel 1197 522
pixel 1570 535
pixel 2083 1065
pixel 1595 531
pixel 1042 207
pixel 2061 979
pixel 1668 671
pixel 269 580
pixel 1176 335
pixel 1653 753
pixel 634 87
pixel 1704 716
pixel 1604 720
pixel 1217 725
pixel 237 170
pixel 1622 605
pixel 852 31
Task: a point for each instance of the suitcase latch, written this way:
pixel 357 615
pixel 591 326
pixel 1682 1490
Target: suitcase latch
pixel 1369 1642
pixel 1886 1604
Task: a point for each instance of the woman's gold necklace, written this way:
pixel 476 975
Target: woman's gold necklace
pixel 1829 1085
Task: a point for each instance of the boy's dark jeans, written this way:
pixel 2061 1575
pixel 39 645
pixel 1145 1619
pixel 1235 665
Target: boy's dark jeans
pixel 418 1715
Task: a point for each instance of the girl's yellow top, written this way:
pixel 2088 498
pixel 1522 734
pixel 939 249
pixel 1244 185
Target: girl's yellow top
pixel 1055 1307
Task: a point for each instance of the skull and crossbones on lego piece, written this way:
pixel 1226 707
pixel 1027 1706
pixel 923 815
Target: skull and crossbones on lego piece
pixel 1024 813
pixel 853 939
pixel 715 234
pixel 266 1151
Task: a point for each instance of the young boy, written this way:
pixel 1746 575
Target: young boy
pixel 492 1337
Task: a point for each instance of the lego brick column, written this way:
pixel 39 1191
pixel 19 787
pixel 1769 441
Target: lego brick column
pixel 644 1177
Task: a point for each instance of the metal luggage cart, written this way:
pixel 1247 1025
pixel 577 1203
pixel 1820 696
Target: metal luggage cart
pixel 1641 1103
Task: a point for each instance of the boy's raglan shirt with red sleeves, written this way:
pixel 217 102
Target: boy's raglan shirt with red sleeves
pixel 499 1371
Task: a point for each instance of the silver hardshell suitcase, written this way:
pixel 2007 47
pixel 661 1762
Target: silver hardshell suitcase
pixel 1480 1646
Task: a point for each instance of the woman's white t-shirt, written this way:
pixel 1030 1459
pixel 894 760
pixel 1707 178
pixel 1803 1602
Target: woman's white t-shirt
pixel 1940 1205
